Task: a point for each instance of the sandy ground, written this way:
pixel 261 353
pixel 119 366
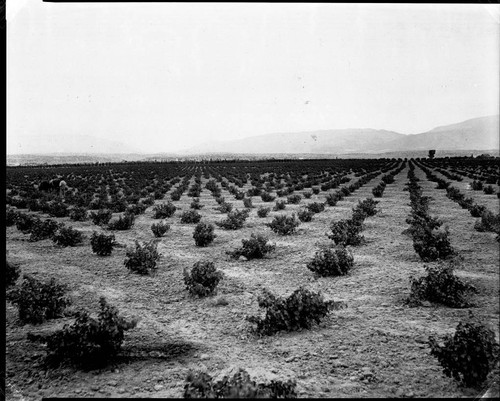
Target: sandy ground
pixel 376 347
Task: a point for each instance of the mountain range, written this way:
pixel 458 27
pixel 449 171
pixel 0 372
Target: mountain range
pixel 476 134
pixel 479 134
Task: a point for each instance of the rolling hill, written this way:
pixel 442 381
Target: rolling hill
pixel 476 134
pixel 327 141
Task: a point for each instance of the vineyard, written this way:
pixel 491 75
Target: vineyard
pixel 277 278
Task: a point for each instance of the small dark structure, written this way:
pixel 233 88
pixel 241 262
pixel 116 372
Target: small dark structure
pixel 485 156
pixel 432 153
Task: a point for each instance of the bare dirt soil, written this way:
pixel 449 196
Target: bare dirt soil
pixel 376 347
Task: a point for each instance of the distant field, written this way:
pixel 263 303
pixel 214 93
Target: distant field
pixel 67 158
pixel 377 346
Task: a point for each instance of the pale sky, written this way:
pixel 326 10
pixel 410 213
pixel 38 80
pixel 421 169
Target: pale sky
pixel 163 76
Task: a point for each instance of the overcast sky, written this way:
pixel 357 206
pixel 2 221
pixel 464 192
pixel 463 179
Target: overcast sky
pixel 162 77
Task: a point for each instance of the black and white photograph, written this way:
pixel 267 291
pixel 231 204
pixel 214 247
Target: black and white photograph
pixel 252 200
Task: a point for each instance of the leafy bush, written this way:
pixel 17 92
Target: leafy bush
pixel 442 184
pixel 431 244
pixel 157 195
pixel 280 205
pixel 57 209
pixel 159 229
pixel 345 191
pixel 388 179
pixel 315 190
pixel 305 215
pixel 102 217
pixel 283 224
pixel 220 199
pixel 267 197
pixel 254 191
pixel 201 385
pixel 254 248
pixel 88 342
pixel 67 236
pixel 118 205
pixel 136 208
pixel 124 222
pixel 143 258
pixel 24 222
pixel 38 301
pixel 203 278
pixel 43 229
pixel 316 207
pixel 367 206
pixel 212 186
pixel 78 213
pixel 10 217
pixel 488 190
pixel 149 200
pixel 358 216
pixel 332 199
pixel 352 187
pixel 195 204
pixel 17 202
pixel 346 232
pixel 466 203
pixel 440 286
pixel 12 272
pixel 294 199
pixel 307 194
pixel 469 355
pixel 175 196
pixel 234 220
pixel 164 210
pixel 477 210
pixel 300 310
pixel 454 194
pixel 203 234
pixel 102 244
pixel 476 185
pixel 247 202
pixel 194 191
pixel 489 222
pixel 36 205
pixel 378 191
pixel 263 211
pixel 332 261
pixel 224 207
pixel 190 216
pixel 239 195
